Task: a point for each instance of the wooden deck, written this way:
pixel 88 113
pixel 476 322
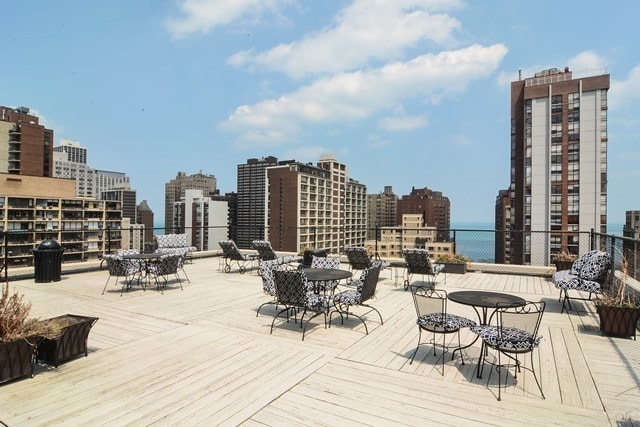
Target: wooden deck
pixel 201 356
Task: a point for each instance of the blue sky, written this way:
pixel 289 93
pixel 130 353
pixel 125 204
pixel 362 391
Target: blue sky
pixel 405 93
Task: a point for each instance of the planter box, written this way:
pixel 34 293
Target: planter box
pixel 454 267
pixel 16 359
pixel 563 265
pixel 618 321
pixel 72 341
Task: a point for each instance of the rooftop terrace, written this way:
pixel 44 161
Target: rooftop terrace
pixel 200 355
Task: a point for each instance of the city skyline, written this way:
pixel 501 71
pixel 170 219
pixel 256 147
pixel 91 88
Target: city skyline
pixel 406 94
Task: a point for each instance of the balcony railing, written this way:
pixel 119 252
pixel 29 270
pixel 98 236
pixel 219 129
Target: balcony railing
pixel 501 249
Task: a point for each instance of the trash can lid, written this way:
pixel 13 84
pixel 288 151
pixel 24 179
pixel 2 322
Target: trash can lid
pixel 49 244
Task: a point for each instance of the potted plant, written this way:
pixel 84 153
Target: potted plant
pixel 564 260
pixel 19 336
pixel 453 263
pixel 618 310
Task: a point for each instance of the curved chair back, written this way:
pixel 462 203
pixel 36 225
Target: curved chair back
pixel 230 250
pixel 358 257
pixel 370 282
pixel 265 250
pixel 265 271
pixel 291 287
pixel 418 261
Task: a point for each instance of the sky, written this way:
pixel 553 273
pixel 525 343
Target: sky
pixel 406 93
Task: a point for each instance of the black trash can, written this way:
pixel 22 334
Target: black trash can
pixel 47 260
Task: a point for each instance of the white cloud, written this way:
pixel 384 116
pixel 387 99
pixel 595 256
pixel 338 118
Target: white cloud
pixel 204 15
pixel 365 30
pixel 625 92
pixel 402 122
pixel 358 95
pixel 460 141
pixel 586 61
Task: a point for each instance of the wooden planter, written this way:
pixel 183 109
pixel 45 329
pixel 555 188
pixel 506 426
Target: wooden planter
pixel 72 341
pixel 16 359
pixel 454 267
pixel 618 321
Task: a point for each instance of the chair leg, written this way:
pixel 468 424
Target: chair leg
pixel 105 285
pixel 534 373
pixel 418 345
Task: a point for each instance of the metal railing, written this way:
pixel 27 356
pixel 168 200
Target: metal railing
pixel 84 249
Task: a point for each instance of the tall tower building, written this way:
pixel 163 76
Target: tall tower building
pixel 435 208
pixel 558 163
pixel 174 192
pixel 502 227
pixel 314 206
pixel 381 211
pixel 250 207
pixel 70 161
pixel 26 147
pixel 145 217
pixel 203 217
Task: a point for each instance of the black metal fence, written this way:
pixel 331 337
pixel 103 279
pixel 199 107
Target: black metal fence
pixel 84 250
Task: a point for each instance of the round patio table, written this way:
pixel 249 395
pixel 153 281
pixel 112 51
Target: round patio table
pixel 484 300
pixel 326 274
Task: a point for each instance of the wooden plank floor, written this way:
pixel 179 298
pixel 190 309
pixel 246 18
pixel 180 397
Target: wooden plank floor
pixel 202 356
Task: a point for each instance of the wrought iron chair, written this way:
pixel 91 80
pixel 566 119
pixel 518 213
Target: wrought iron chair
pixel 359 258
pixel 167 265
pixel 268 286
pixel 293 292
pixel 231 254
pixel 365 289
pixel 266 253
pixel 325 286
pixel 587 274
pixel 120 267
pixel 512 331
pixel 418 262
pixel 431 309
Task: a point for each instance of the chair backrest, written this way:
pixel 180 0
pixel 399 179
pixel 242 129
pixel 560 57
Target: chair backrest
pixel 168 264
pixel 418 261
pixel 116 265
pixel 358 257
pixel 369 283
pixel 525 318
pixel 429 300
pixel 265 251
pixel 265 270
pixel 325 262
pixel 593 265
pixel 230 250
pixel 291 287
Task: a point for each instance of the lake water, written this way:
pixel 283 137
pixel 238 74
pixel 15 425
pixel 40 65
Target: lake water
pixel 475 241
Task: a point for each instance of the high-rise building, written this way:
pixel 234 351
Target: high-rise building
pixel 381 211
pixel 435 208
pixel 631 229
pixel 203 218
pixel 70 162
pixel 502 227
pixel 26 147
pixel 122 193
pixel 145 217
pixel 252 190
pixel 174 192
pixel 558 163
pixel 316 207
